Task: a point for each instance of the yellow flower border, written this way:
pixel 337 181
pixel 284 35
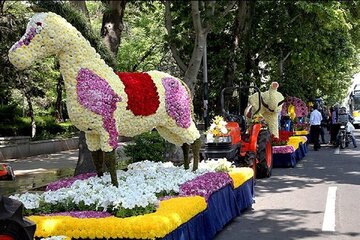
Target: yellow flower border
pixel 241 175
pixel 169 216
pixel 301 133
pixel 296 140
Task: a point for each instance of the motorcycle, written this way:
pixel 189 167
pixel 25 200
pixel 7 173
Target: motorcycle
pixel 344 137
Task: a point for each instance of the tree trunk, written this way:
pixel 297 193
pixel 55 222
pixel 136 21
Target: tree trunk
pixel 58 105
pixel 31 114
pixel 242 30
pixel 201 28
pixel 112 25
pixel 81 5
pixel 85 162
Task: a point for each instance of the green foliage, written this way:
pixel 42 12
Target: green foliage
pixel 13 21
pixel 46 127
pixel 136 211
pixel 8 113
pixel 142 41
pixel 147 146
pixel 67 206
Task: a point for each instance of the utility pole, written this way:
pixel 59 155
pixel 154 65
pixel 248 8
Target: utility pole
pixel 206 88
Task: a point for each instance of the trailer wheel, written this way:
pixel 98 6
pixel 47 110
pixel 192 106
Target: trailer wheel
pixel 264 155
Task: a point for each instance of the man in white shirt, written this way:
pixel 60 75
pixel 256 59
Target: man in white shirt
pixel 315 127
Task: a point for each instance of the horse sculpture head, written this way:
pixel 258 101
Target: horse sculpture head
pixel 41 40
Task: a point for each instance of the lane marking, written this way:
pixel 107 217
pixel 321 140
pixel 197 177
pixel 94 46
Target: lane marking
pixel 337 150
pixel 329 215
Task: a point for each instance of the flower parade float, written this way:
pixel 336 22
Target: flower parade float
pixel 271 104
pixel 153 201
pixel 148 201
pixel 288 149
pixel 105 104
pixel 246 143
pixel 295 109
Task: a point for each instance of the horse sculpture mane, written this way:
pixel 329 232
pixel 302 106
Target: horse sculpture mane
pixel 100 102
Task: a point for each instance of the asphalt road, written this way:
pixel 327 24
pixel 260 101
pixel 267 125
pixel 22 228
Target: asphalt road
pixel 318 199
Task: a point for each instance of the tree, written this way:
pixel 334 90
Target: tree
pixel 112 24
pixel 203 19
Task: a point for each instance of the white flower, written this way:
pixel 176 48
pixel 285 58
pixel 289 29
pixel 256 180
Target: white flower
pixel 137 186
pixel 223 130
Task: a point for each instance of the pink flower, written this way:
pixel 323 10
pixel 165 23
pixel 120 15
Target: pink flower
pixel 95 94
pixel 67 182
pixel 205 185
pixel 177 102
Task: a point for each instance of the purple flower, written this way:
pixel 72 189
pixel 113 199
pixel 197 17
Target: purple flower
pixel 177 102
pixel 205 185
pixel 67 182
pixel 82 214
pixel 95 94
pixel 283 149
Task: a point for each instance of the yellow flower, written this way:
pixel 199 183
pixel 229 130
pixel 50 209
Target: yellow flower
pixel 241 175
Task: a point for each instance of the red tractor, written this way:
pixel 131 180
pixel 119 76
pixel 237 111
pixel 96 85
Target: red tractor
pixel 6 173
pixel 244 145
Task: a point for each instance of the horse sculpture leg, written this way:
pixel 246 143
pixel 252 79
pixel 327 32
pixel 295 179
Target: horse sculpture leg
pixel 110 162
pixel 98 162
pixel 109 157
pixel 195 147
pixel 186 147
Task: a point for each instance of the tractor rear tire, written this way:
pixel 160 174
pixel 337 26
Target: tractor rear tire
pixel 264 155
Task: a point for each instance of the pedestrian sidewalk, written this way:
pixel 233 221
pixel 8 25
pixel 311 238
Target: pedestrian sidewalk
pixel 44 163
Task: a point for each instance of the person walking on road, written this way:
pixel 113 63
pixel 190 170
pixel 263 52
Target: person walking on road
pixel 335 126
pixel 315 127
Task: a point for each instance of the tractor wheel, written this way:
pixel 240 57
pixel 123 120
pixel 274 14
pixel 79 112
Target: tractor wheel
pixel 264 155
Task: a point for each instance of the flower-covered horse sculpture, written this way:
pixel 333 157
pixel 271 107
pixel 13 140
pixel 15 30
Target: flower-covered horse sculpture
pixel 105 104
pixel 271 104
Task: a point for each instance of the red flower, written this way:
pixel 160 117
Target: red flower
pixel 143 99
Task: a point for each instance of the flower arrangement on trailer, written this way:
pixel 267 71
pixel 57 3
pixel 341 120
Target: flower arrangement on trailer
pixel 217 130
pixel 257 119
pixel 294 107
pixel 301 126
pixel 283 138
pixel 97 203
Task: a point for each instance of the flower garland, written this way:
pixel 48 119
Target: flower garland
pixel 240 175
pixel 82 214
pixel 301 109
